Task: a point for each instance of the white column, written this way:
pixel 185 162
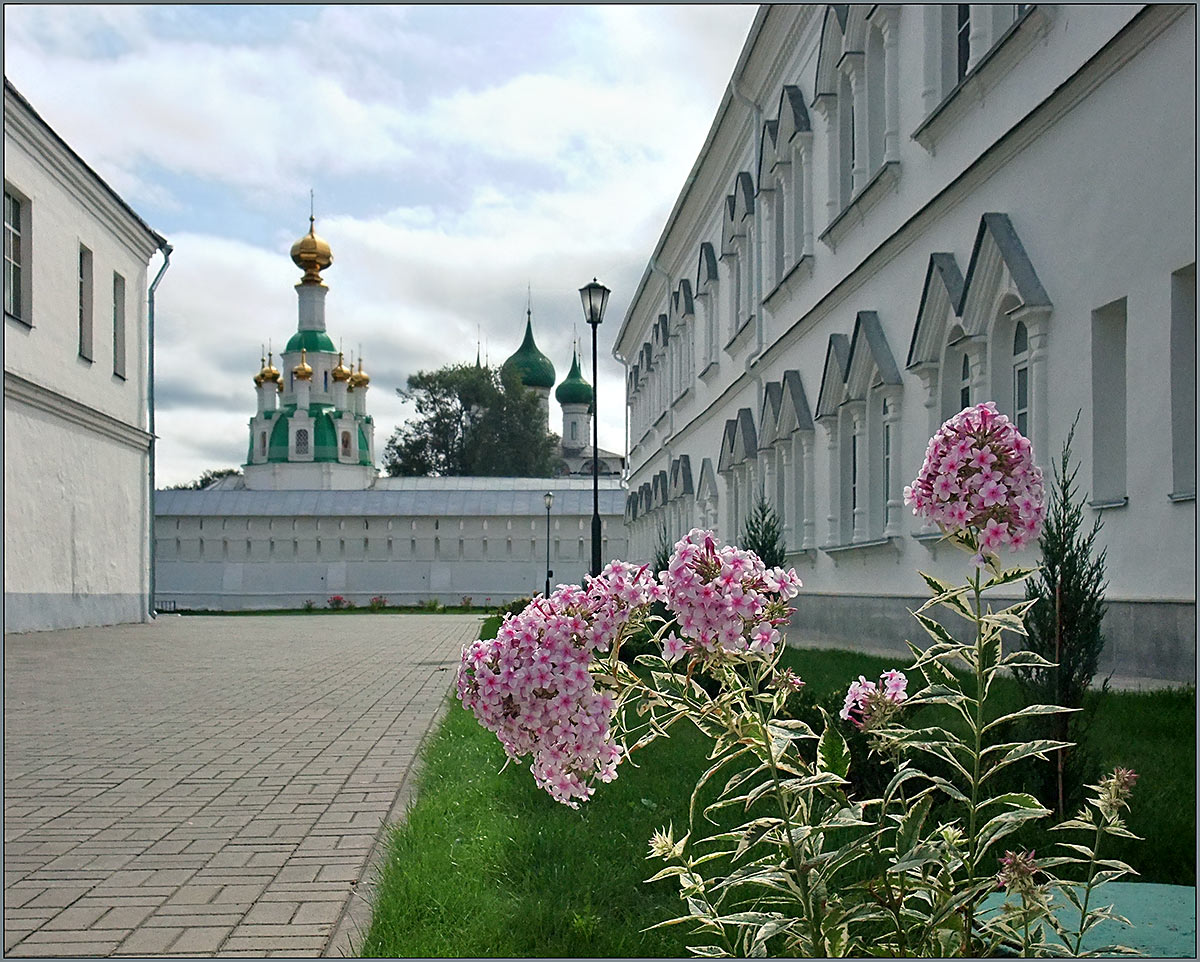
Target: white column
pixel 931 90
pixel 894 495
pixel 830 424
pixel 855 71
pixel 787 471
pixel 810 490
pixel 829 136
pixel 929 375
pixel 1039 397
pixel 858 427
pixel 889 27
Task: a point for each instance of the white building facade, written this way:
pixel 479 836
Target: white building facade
pixel 77 400
pixel 901 210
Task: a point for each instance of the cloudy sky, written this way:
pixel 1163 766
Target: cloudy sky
pixel 459 156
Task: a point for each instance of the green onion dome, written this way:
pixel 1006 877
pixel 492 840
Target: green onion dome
pixel 315 341
pixel 574 390
pixel 533 366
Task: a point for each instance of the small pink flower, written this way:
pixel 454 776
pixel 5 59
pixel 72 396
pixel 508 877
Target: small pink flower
pixel 674 648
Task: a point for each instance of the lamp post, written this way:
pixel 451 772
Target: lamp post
pixel 595 299
pixel 549 499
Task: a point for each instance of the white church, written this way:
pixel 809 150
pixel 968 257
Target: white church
pixel 900 210
pixel 310 519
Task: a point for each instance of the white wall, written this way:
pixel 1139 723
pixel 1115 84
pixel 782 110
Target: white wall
pixel 76 467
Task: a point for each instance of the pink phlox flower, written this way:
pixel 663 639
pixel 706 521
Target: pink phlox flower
pixel 856 695
pixel 992 493
pixel 674 648
pixel 993 535
pixel 895 685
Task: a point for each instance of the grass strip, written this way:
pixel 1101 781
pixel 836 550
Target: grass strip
pixel 486 865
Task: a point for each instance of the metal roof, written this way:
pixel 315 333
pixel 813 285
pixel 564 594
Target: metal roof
pixel 437 497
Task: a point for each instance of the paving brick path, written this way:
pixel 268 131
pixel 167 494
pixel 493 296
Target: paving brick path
pixel 209 786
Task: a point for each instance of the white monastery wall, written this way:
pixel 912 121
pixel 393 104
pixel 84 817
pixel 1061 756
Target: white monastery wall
pixel 1077 125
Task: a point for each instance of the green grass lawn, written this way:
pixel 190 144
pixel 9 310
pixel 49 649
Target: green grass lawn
pixel 487 865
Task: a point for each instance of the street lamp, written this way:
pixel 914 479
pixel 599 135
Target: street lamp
pixel 549 499
pixel 595 299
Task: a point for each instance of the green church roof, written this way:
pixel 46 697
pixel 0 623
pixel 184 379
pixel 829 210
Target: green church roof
pixel 574 390
pixel 311 341
pixel 533 366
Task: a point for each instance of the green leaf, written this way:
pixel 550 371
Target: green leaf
pixel 1020 750
pixel 1005 824
pixel 1025 659
pixel 1008 577
pixel 935 629
pixel 945 594
pixel 833 755
pixel 911 824
pixel 1028 711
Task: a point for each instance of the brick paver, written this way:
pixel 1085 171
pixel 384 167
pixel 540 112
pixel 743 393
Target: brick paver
pixel 210 785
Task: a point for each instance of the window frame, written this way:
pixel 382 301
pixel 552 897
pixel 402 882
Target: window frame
pixel 118 323
pixel 19 267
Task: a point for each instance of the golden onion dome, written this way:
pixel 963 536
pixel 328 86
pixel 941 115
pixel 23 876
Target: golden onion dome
pixel 341 372
pixel 303 370
pixel 360 378
pixel 269 372
pixel 258 378
pixel 312 254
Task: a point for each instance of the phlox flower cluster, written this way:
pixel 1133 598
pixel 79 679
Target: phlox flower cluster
pixel 532 684
pixel 867 703
pixel 979 479
pixel 725 600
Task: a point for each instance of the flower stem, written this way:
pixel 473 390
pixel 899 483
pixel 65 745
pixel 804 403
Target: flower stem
pixel 972 837
pixel 1087 889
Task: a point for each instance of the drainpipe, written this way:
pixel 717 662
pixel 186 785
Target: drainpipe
pixel 759 347
pixel 166 252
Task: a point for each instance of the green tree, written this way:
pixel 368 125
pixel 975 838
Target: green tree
pixel 763 535
pixel 1065 628
pixel 206 478
pixel 473 421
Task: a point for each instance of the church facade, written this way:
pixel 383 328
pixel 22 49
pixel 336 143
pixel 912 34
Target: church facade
pixel 77 401
pixel 309 519
pixel 901 210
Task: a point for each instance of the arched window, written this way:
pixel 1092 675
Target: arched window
pixel 302 441
pixel 1020 382
pixel 345 444
pixel 327 381
pixel 846 145
pixel 884 492
pixel 964 383
pixel 262 443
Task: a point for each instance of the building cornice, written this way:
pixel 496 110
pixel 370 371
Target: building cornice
pixel 17 388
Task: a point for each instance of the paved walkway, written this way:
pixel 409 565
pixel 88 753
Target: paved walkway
pixel 209 786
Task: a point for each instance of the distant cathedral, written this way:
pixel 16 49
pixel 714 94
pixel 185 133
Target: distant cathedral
pixel 574 396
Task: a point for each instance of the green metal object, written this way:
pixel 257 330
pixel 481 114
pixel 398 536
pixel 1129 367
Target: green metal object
pixel 533 366
pixel 574 390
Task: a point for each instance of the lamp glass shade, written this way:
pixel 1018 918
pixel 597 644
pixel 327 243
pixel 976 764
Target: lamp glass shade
pixel 549 499
pixel 595 299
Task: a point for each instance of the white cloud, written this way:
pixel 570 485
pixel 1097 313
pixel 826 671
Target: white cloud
pixel 477 165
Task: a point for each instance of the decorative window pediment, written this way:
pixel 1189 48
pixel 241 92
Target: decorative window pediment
pixel 682 304
pixel 772 402
pixel 646 498
pixel 999 266
pixel 725 461
pixel 940 298
pixel 659 490
pixel 830 49
pixel 706 269
pixel 870 362
pixel 631 508
pixel 793 118
pixel 706 487
pixel 681 478
pixel 745 437
pixel 794 413
pixel 833 376
pixel 767 153
pixel 738 207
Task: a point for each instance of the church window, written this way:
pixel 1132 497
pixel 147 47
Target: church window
pixel 345 444
pixel 118 321
pixel 964 383
pixel 574 431
pixel 846 145
pixel 508 547
pixel 887 457
pixel 302 441
pixel 1021 378
pixel 389 546
pixel 85 303
pixel 262 443
pixel 484 548
pixel 1183 383
pixel 326 381
pixel 366 545
pixel 1108 404
pixel 342 524
pixel 14 257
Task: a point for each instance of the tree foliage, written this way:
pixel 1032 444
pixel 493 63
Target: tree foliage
pixel 471 421
pixel 206 478
pixel 1064 626
pixel 763 534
